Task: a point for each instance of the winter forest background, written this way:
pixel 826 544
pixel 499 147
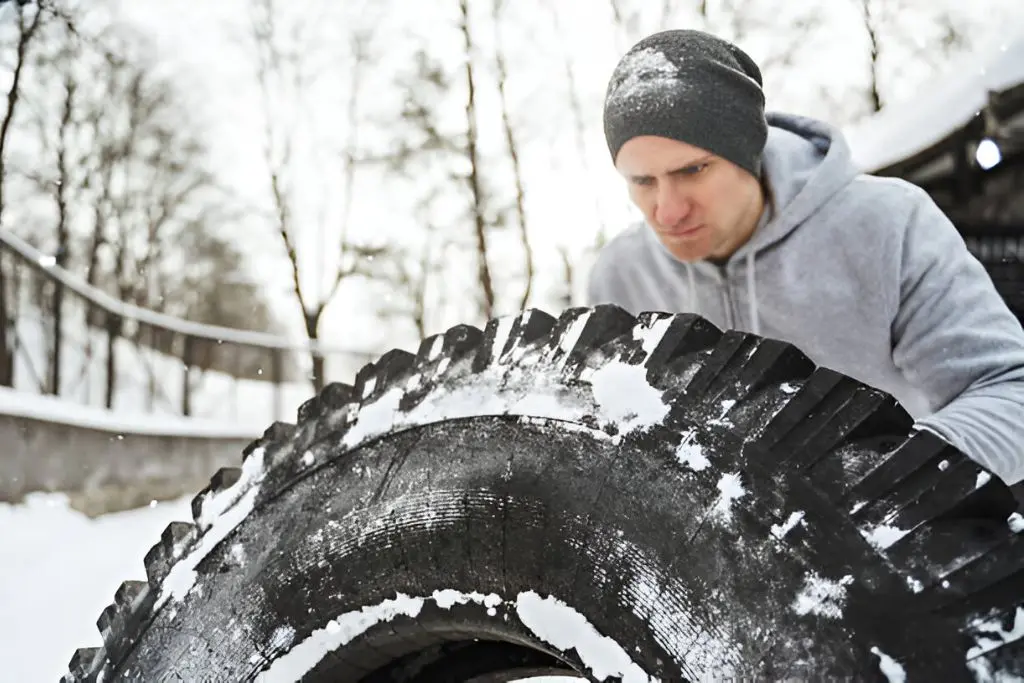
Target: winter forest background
pixel 373 171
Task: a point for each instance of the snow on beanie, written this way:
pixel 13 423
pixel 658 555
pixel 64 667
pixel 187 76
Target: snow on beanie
pixel 693 87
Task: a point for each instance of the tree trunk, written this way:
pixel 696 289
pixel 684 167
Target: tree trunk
pixel 874 97
pixel 513 153
pixel 475 187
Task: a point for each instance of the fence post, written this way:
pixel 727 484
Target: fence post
pixel 186 384
pixel 276 376
pixel 6 352
pixel 58 326
pixel 113 329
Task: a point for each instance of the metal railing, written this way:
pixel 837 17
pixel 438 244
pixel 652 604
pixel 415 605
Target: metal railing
pixel 62 337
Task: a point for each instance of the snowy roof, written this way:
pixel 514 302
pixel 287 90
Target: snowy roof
pixel 901 131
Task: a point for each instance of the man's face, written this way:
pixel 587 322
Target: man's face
pixel 700 205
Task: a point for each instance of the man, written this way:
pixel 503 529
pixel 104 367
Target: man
pixel 762 224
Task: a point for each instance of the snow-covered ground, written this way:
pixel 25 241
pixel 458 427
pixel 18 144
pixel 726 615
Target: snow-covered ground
pixel 59 569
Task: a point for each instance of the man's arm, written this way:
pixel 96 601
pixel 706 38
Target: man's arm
pixel 954 337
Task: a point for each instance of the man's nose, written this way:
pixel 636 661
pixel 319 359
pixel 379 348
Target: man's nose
pixel 673 207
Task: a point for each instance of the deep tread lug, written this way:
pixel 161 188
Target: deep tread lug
pixel 819 418
pixel 81 663
pixel 686 335
pixel 128 592
pixel 107 619
pixel 526 328
pixel 309 410
pixel 569 344
pixel 375 378
pixel 337 395
pixel 223 479
pixel 274 434
pixel 174 543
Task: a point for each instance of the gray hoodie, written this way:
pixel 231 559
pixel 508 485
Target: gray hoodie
pixel 863 274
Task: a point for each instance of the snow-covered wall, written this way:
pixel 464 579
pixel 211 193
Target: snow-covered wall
pixel 103 462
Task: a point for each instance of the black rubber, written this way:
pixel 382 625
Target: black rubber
pixel 704 500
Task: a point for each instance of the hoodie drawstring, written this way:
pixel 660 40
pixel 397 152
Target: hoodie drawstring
pixel 691 298
pixel 691 295
pixel 751 294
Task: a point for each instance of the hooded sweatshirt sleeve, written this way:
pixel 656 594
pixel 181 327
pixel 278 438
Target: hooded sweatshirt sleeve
pixel 954 337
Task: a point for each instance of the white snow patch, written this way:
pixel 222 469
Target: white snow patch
pixel 651 336
pixel 731 488
pixel 944 465
pixel 857 507
pixel 620 396
pixel 501 335
pixel 374 418
pixel 983 478
pixel 992 634
pixel 625 396
pixel 643 72
pixel 779 531
pixel 890 668
pixel 572 334
pixel 182 577
pixel 622 391
pixel 549 619
pixel 822 597
pixel 221 513
pixel 213 506
pixel 308 459
pixel 39 535
pixel 789 388
pixel 436 348
pixel 1016 522
pixel 915 584
pixel 238 554
pixel 883 536
pixel 282 637
pixel 338 632
pixel 556 623
pixel 692 455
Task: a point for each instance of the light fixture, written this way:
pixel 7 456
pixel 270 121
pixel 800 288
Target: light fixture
pixel 988 154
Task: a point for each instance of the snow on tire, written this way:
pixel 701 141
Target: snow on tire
pixel 631 499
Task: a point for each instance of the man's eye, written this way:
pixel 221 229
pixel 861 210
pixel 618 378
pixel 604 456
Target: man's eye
pixel 643 182
pixel 695 169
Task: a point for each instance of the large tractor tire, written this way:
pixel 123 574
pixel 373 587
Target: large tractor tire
pixel 618 498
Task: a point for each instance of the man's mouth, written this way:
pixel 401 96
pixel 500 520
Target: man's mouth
pixel 682 231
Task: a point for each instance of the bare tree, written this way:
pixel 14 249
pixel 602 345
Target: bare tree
pixel 513 151
pixel 579 123
pixel 288 68
pixel 114 153
pixel 407 275
pixel 28 19
pixel 474 179
pixel 874 98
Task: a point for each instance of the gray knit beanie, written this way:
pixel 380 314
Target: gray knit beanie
pixel 693 87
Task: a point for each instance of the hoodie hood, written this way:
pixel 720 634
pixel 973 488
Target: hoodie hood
pixel 805 163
